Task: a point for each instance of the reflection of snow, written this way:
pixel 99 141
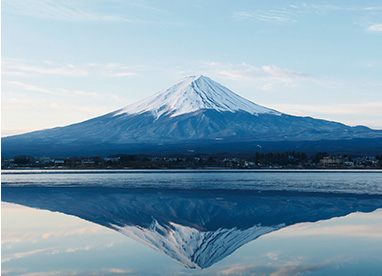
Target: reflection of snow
pixel 190 247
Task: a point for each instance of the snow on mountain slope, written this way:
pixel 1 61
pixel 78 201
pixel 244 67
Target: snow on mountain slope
pixel 193 248
pixel 192 94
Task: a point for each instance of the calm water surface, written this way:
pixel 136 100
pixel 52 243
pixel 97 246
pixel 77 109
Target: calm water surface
pixel 192 223
pixel 348 181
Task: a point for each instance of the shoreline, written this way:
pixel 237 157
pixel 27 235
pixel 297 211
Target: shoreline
pixel 211 169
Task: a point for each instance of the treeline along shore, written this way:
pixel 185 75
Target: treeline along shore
pixel 284 160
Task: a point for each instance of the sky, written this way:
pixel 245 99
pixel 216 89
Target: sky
pixel 66 61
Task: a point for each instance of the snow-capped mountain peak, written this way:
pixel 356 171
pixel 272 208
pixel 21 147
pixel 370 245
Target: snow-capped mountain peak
pixel 192 94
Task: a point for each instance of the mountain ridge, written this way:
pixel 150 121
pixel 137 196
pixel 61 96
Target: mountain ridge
pixel 194 111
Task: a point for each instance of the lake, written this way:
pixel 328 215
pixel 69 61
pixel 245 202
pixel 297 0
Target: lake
pixel 192 222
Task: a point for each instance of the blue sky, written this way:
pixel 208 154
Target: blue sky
pixel 67 61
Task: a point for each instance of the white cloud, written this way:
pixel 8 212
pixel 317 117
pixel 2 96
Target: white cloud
pixel 46 251
pixel 56 111
pixel 276 16
pixel 72 10
pixel 126 74
pixel 242 15
pixel 17 67
pixel 268 74
pixel 276 71
pixel 59 91
pixel 268 77
pixel 306 229
pixel 31 87
pixel 370 229
pixel 14 237
pixel 373 8
pixel 290 268
pixel 296 270
pixel 9 237
pixel 375 28
pixel 49 273
pixel 120 271
pixel 293 13
pixel 333 109
pixel 75 249
pixel 20 255
pixel 89 11
pixel 77 92
pixel 78 231
pixel 28 68
pixel 367 114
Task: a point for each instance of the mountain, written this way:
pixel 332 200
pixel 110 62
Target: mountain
pixel 196 228
pixel 194 94
pixel 195 114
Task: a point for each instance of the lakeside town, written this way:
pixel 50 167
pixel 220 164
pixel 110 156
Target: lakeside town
pixel 285 160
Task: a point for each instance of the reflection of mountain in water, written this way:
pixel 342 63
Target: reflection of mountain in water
pixel 195 228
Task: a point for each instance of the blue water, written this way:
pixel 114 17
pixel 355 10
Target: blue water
pixel 335 181
pixel 192 222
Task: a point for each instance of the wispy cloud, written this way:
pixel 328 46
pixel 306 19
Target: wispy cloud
pixel 28 68
pixel 120 271
pixel 68 10
pixel 18 67
pixel 33 88
pixel 78 231
pixel 241 71
pixel 15 237
pixel 279 72
pixel 25 254
pixel 46 251
pixel 64 108
pixel 50 273
pixel 293 13
pixel 375 28
pixel 296 270
pixel 269 76
pixel 278 16
pixel 322 8
pixel 371 229
pixel 90 11
pixel 75 249
pixel 126 74
pixel 340 230
pixel 59 91
pixel 332 109
pixel 244 70
pixel 290 268
pixel 112 271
